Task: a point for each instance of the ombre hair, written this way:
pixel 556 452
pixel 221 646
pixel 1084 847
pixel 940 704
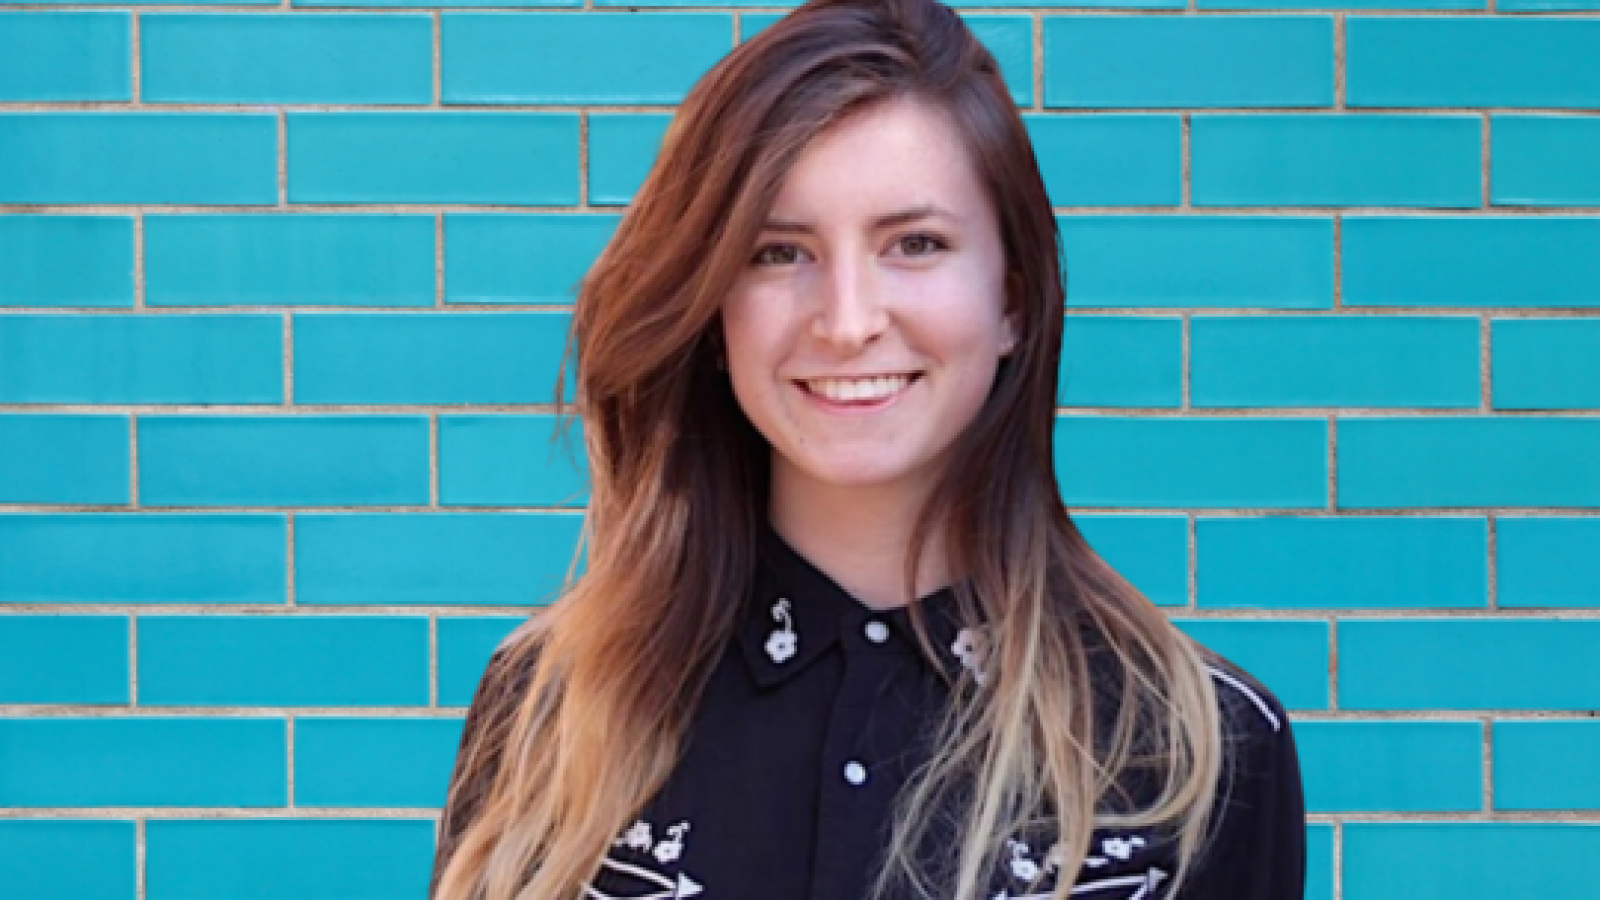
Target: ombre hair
pixel 582 714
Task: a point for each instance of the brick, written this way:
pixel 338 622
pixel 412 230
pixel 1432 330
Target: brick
pixel 1545 363
pixel 1545 5
pixel 1346 360
pixel 1289 657
pixel 287 859
pixel 1319 862
pixel 350 762
pixel 1121 361
pixel 1152 552
pixel 1546 765
pixel 566 58
pixel 1472 261
pixel 535 259
pixel 1364 562
pixel 299 259
pixel 138 157
pixel 446 4
pixel 141 359
pixel 1188 61
pixel 283 661
pixel 286 58
pixel 458 559
pixel 1547 562
pixel 1109 160
pixel 1389 766
pixel 144 762
pixel 1469 860
pixel 143 558
pixel 66 260
pixel 435 358
pixel 464 649
pixel 283 461
pixel 1471 61
pixel 1211 462
pixel 1207 261
pixel 516 158
pixel 64 56
pixel 1469 462
pixel 1336 160
pixel 1344 4
pixel 503 460
pixel 622 148
pixel 64 459
pixel 80 859
pixel 1545 160
pixel 63 659
pixel 1538 664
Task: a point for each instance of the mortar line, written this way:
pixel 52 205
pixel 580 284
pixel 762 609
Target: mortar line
pixel 1485 363
pixel 1338 860
pixel 288 553
pixel 1488 765
pixel 438 260
pixel 138 260
pixel 1493 562
pixel 1333 464
pixel 433 660
pixel 138 857
pixel 738 27
pixel 583 159
pixel 1186 159
pixel 438 55
pixel 133 461
pixel 433 460
pixel 1186 361
pixel 288 361
pixel 1338 261
pixel 133 661
pixel 288 738
pixel 1487 184
pixel 1338 62
pixel 1038 60
pixel 135 83
pixel 283 155
pixel 1333 663
pixel 1193 575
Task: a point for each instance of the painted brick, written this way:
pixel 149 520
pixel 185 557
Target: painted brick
pixel 283 661
pixel 1344 4
pixel 1334 361
pixel 283 461
pixel 1469 462
pixel 68 860
pixel 1471 261
pixel 1546 765
pixel 1388 766
pixel 1439 664
pixel 1469 860
pixel 446 4
pixel 1118 361
pixel 289 260
pixel 66 260
pixel 1188 61
pixel 1109 160
pixel 1342 563
pixel 64 459
pixel 465 646
pixel 563 58
pixel 433 157
pixel 1545 5
pixel 622 148
pixel 141 359
pixel 144 558
pixel 1336 160
pixel 964 4
pixel 137 157
pixel 1547 562
pixel 1289 657
pixel 1545 160
pixel 288 859
pixel 1150 551
pixel 435 560
pixel 1471 61
pixel 499 258
pixel 51 56
pixel 1211 462
pixel 1207 261
pixel 1319 862
pixel 63 659
pixel 436 358
pixel 504 460
pixel 144 762
pixel 373 762
pixel 1546 363
pixel 286 58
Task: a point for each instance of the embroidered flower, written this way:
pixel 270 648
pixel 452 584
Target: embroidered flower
pixel 972 648
pixel 783 643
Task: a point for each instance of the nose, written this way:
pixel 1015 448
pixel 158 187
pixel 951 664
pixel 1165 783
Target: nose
pixel 850 312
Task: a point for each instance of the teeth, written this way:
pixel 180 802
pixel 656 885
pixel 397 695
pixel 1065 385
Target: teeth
pixel 847 390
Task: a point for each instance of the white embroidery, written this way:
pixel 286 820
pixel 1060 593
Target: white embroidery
pixel 782 643
pixel 972 648
pixel 1252 696
pixel 1022 867
pixel 1121 848
pixel 637 837
pixel 670 849
pixel 1146 884
pixel 656 885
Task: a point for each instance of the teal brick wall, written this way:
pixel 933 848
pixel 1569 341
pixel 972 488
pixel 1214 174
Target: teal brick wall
pixel 283 289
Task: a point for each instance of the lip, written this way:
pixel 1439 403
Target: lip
pixel 856 407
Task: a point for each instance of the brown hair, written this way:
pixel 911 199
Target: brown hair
pixel 580 718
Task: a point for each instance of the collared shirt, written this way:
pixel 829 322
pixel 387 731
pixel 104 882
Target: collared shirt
pixel 820 712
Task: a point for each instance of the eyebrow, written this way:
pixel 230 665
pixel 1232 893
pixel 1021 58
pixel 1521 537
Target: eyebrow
pixel 888 220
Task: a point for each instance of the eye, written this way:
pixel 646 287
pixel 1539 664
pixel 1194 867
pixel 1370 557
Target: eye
pixel 776 255
pixel 920 244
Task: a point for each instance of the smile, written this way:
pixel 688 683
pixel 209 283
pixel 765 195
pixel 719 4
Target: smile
pixel 859 390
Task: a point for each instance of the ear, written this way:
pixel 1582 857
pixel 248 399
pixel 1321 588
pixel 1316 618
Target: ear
pixel 1008 334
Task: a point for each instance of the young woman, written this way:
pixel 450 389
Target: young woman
pixel 838 637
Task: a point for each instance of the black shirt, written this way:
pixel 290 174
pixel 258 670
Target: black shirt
pixel 819 713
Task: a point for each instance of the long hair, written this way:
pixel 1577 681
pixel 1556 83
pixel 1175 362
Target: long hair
pixel 582 715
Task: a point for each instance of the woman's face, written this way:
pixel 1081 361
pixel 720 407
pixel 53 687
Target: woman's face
pixel 866 330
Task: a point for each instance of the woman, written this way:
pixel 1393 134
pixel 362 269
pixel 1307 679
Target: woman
pixel 838 637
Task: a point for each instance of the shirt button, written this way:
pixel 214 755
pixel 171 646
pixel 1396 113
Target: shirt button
pixel 855 773
pixel 877 632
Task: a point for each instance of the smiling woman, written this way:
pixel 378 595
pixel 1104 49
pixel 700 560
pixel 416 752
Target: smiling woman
pixel 838 637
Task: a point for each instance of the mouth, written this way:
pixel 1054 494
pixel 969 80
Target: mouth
pixel 870 391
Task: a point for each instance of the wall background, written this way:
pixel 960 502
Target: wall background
pixel 283 291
